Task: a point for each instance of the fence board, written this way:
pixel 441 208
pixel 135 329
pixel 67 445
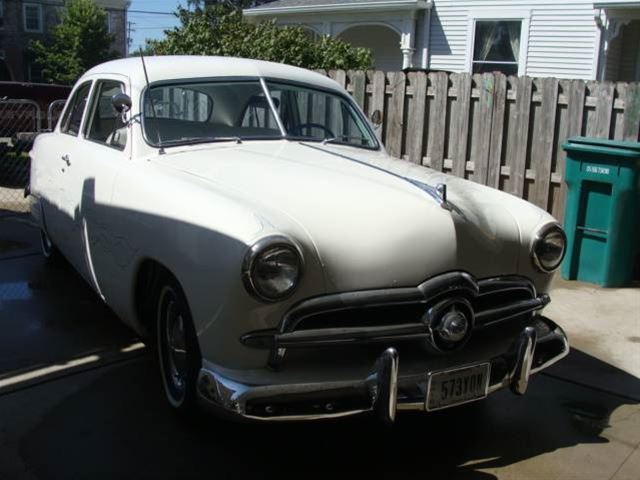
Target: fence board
pixel 415 136
pixel 340 76
pixel 604 110
pixel 486 84
pixel 377 99
pixel 358 83
pixel 395 122
pixel 542 149
pixel 521 134
pixel 440 82
pixel 497 130
pixel 631 116
pixel 576 90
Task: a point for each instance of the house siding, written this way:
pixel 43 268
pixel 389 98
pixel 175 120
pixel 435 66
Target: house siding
pixel 561 38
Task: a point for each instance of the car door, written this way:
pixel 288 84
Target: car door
pixel 104 150
pixel 58 204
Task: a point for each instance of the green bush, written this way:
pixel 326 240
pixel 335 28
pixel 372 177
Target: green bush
pixel 221 30
pixel 79 42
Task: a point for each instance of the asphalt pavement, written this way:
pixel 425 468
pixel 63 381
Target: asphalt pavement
pixel 80 398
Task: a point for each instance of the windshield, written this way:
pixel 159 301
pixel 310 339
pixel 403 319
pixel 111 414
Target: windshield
pixel 188 113
pixel 319 115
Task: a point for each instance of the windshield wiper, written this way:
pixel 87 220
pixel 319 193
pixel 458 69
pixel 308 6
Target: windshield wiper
pixel 197 140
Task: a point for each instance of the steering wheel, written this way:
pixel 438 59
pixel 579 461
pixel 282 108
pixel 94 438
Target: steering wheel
pixel 302 126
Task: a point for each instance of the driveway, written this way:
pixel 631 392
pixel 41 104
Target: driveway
pixel 80 398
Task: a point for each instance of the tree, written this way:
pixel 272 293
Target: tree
pixel 79 42
pixel 220 30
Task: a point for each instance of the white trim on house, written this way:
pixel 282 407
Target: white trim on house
pixel 559 38
pixel 499 14
pixel 347 7
pixel 40 18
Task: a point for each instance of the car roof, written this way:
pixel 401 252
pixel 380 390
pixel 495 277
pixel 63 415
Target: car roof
pixel 176 67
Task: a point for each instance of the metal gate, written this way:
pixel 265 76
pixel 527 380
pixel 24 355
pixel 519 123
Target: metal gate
pixel 21 120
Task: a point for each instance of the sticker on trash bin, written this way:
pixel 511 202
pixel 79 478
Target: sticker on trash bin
pixel 599 170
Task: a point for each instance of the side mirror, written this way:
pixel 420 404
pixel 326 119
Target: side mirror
pixel 121 102
pixel 376 118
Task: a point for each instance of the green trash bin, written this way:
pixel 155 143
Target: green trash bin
pixel 602 213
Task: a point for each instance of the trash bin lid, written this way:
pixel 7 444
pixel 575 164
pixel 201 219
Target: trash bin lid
pixel 600 145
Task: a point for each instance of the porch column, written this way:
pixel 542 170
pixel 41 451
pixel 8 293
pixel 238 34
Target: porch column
pixel 407 41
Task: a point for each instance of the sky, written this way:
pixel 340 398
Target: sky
pixel 150 25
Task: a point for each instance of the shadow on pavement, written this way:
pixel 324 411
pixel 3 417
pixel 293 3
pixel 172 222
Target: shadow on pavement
pixel 119 426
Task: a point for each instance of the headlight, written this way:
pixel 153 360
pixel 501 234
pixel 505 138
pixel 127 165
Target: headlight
pixel 272 268
pixel 549 248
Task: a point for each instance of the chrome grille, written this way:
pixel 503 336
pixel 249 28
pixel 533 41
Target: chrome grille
pixel 395 314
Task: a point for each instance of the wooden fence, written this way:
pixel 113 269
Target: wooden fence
pixel 505 132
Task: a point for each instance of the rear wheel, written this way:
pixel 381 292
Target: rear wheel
pixel 177 345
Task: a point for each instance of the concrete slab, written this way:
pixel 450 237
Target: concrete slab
pixel 604 325
pixel 113 423
pixel 47 314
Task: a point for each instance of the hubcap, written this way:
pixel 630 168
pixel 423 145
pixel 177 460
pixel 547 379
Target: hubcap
pixel 173 345
pixel 453 326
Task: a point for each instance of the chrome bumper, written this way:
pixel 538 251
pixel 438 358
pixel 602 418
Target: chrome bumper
pixel 385 390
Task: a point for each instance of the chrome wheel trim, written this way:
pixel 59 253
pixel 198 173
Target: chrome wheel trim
pixel 45 244
pixel 172 349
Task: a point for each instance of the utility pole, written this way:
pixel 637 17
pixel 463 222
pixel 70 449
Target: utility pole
pixel 130 30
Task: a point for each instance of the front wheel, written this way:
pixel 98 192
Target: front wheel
pixel 178 350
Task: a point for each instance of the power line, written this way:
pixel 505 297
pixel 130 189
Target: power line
pixel 151 12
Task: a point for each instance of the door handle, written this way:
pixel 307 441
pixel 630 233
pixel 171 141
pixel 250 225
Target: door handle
pixel 65 159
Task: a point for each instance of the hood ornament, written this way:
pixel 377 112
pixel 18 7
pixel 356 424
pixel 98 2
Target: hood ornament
pixel 441 190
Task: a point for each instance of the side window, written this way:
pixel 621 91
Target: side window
pixel 73 115
pixel 106 125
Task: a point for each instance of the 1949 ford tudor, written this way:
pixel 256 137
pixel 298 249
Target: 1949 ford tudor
pixel 243 217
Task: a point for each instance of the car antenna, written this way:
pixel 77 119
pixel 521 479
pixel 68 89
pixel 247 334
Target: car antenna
pixel 153 106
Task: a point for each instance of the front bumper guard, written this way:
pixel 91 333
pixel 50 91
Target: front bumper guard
pixel 379 392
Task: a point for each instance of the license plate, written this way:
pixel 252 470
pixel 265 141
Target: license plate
pixel 454 387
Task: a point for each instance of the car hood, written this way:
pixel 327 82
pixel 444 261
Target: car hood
pixel 370 227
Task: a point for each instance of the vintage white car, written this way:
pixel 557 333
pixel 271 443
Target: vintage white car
pixel 243 217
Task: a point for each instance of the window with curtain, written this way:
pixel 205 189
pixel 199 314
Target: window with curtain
pixel 32 17
pixel 496 46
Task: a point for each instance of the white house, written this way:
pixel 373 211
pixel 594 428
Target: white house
pixel 597 39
